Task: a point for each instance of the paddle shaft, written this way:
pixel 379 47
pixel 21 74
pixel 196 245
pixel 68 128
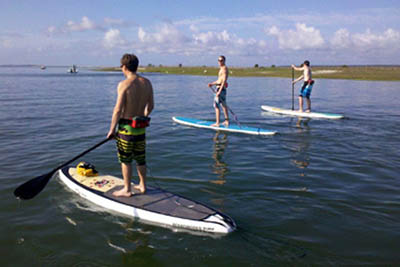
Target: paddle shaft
pixel 83 153
pixel 234 115
pixel 34 186
pixel 292 89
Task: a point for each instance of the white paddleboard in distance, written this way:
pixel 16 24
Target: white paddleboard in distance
pixel 231 128
pixel 319 115
pixel 156 206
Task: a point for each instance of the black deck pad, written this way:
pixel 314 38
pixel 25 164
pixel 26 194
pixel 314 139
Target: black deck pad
pixel 167 203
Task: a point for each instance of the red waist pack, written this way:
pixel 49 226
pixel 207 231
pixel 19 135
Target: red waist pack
pixel 140 122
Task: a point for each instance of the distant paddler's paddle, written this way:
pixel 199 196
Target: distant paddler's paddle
pixel 234 115
pixel 34 186
pixel 292 89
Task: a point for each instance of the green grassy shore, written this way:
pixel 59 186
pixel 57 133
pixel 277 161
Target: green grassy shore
pixel 370 73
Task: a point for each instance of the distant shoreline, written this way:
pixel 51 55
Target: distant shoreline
pixel 367 73
pixel 344 72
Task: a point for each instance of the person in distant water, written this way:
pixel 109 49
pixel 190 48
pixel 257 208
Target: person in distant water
pixel 220 96
pixel 305 90
pixel 134 105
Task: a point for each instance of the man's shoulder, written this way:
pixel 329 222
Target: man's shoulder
pixel 143 79
pixel 124 84
pixel 224 68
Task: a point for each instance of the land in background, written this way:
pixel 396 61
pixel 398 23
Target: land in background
pixel 370 73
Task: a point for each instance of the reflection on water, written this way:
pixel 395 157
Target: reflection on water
pixel 302 123
pixel 220 168
pixel 301 158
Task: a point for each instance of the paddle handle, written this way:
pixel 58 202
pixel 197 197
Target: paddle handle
pixel 292 89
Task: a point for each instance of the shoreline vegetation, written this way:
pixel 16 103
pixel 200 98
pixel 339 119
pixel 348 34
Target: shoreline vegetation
pixel 368 73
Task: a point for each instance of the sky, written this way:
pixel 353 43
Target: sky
pixel 195 33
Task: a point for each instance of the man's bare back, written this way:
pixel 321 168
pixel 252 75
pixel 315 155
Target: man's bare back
pixel 137 93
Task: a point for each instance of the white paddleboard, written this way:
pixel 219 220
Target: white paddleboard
pixel 231 128
pixel 302 114
pixel 156 206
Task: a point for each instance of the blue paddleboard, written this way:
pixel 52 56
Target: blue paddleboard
pixel 231 128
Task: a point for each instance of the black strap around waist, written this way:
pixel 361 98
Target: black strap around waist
pixel 125 121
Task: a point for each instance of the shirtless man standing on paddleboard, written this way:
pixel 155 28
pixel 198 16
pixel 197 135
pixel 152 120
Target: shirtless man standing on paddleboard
pixel 134 105
pixel 305 90
pixel 220 96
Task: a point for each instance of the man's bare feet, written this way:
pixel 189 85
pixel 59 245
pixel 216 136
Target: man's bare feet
pixel 142 189
pixel 226 123
pixel 300 110
pixel 122 193
pixel 308 110
pixel 215 125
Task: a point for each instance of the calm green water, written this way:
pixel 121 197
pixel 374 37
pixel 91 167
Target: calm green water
pixel 321 192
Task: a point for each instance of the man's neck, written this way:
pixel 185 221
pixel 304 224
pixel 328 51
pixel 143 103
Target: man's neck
pixel 129 74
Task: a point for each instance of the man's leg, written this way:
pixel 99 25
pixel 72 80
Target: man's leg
pixel 308 104
pixel 216 117
pixel 127 174
pixel 226 114
pixel 142 178
pixel 300 103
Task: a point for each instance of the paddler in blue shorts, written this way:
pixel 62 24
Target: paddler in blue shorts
pixel 220 94
pixel 306 88
pixel 131 115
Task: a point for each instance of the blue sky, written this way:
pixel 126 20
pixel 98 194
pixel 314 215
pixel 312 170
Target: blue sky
pixel 97 32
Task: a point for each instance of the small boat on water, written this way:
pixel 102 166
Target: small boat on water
pixel 73 69
pixel 42 67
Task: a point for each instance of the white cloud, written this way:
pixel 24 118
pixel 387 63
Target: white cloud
pixel 166 33
pixel 341 39
pixel 112 39
pixel 370 40
pixel 302 38
pixel 193 28
pixel 142 35
pixel 71 26
pixel 212 38
pixel 84 25
pixel 388 39
pixel 169 39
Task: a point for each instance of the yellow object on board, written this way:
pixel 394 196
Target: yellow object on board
pixel 86 169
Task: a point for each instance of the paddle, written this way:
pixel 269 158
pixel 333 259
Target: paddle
pixel 292 89
pixel 34 186
pixel 234 115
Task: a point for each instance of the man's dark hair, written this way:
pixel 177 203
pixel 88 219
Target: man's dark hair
pixel 130 61
pixel 307 63
pixel 223 57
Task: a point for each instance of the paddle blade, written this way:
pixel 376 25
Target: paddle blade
pixel 33 187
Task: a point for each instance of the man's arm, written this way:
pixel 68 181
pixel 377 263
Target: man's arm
pixel 296 68
pixel 213 83
pixel 150 103
pixel 298 79
pixel 117 110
